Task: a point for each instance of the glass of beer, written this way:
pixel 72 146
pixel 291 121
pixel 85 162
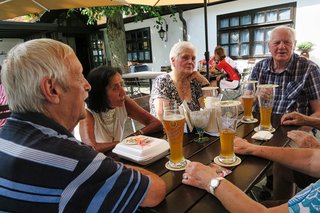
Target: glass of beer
pixel 173 122
pixel 248 89
pixel 265 93
pixel 227 118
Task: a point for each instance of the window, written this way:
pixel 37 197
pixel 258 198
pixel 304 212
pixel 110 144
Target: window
pixel 97 48
pixel 246 34
pixel 139 45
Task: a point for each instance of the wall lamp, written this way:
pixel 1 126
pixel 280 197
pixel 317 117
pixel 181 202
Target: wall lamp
pixel 163 33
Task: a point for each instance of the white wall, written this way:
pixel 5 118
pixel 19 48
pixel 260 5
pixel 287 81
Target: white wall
pixel 307 15
pixel 6 44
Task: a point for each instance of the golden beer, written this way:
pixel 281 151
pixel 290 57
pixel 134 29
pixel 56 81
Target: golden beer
pixel 265 117
pixel 247 107
pixel 174 125
pixel 226 143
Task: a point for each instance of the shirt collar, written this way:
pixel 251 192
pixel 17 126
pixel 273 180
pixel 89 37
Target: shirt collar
pixel 290 65
pixel 41 119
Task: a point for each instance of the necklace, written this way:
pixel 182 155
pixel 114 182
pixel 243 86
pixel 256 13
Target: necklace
pixel 107 120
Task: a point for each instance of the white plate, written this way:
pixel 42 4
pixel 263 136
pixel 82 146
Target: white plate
pixel 142 149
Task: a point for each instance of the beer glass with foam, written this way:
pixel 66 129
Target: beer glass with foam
pixel 265 93
pixel 227 117
pixel 248 89
pixel 173 122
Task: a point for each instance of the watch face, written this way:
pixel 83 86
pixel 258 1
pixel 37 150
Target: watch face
pixel 214 183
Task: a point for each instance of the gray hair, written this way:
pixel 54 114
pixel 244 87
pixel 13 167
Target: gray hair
pixel 284 27
pixel 24 68
pixel 178 47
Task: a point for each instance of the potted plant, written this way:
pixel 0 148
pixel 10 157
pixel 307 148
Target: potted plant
pixel 305 48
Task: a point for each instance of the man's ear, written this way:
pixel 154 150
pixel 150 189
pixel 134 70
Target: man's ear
pixel 49 90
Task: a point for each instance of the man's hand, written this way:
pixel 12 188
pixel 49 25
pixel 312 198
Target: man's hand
pixel 242 146
pixel 303 139
pixel 294 118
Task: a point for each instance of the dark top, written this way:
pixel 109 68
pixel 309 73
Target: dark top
pixel 45 169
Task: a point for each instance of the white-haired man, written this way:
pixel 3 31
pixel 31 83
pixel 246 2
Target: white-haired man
pixel 43 167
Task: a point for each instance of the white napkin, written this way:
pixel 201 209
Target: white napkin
pixel 262 135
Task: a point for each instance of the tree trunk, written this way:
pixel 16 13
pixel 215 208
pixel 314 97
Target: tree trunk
pixel 116 42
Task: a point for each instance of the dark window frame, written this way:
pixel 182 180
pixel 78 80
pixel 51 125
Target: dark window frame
pixel 138 44
pixel 252 27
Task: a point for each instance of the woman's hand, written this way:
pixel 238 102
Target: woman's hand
pixel 303 139
pixel 294 118
pixel 199 175
pixel 198 77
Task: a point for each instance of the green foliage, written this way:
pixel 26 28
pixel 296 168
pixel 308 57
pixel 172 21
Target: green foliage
pixel 305 45
pixel 139 12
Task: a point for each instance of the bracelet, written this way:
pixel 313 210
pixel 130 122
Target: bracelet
pixel 139 132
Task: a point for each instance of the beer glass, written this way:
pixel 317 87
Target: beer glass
pixel 227 117
pixel 200 119
pixel 265 93
pixel 173 122
pixel 248 89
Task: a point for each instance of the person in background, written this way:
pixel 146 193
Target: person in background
pixel 234 200
pixel 230 79
pixel 183 83
pixel 43 167
pixel 108 108
pixel 3 100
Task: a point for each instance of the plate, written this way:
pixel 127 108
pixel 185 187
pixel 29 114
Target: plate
pixel 176 169
pixel 237 162
pixel 249 122
pixel 257 129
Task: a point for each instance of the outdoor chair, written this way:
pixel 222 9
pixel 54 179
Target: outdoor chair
pixel 132 86
pixel 143 102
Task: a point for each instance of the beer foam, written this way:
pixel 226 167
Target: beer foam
pixel 226 103
pixel 267 85
pixel 174 117
pixel 249 82
pixel 209 88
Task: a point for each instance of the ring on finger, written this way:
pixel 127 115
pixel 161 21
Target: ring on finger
pixel 185 176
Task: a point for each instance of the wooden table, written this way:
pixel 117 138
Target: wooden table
pixel 183 198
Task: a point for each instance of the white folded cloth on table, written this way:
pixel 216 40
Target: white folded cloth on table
pixel 262 135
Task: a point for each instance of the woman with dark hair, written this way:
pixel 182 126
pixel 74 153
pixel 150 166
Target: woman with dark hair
pixel 231 77
pixel 108 108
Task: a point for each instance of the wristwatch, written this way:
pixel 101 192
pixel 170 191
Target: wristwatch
pixel 214 183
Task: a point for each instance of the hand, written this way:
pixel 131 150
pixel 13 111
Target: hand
pixel 303 139
pixel 294 118
pixel 264 93
pixel 242 146
pixel 199 175
pixel 198 77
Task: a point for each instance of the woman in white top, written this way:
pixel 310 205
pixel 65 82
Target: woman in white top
pixel 108 108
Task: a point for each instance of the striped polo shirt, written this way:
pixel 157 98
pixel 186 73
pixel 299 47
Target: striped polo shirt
pixel 43 168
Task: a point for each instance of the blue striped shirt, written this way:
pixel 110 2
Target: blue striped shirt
pixel 45 169
pixel 298 84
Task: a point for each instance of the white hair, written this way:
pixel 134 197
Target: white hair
pixel 26 65
pixel 178 48
pixel 284 27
